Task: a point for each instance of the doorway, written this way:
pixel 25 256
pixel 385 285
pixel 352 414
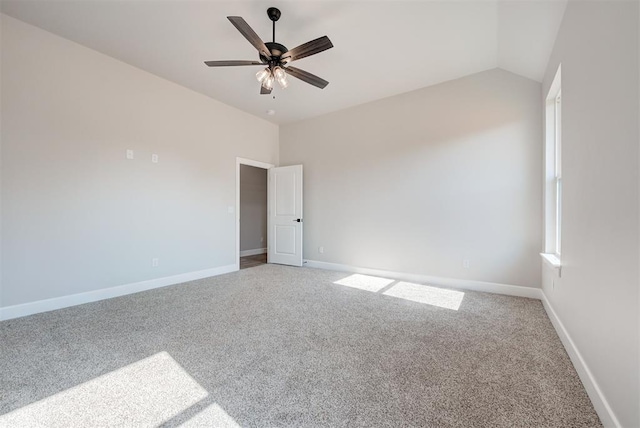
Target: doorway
pixel 252 213
pixel 281 190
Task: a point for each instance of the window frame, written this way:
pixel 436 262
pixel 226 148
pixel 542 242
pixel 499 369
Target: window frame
pixel 553 172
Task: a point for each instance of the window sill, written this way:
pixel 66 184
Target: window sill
pixel 552 260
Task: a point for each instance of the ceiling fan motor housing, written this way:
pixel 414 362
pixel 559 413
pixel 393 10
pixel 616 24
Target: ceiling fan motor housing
pixel 277 50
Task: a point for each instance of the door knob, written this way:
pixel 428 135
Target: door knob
pixel 299 220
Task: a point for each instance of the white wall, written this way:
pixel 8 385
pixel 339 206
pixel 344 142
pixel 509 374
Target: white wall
pixel 597 296
pixel 77 215
pixel 418 182
pixel 253 208
pixel 1 44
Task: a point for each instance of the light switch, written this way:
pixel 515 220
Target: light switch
pixel 129 154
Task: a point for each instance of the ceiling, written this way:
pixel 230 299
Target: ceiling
pixel 382 48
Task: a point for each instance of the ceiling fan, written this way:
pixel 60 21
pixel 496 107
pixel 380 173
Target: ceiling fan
pixel 276 56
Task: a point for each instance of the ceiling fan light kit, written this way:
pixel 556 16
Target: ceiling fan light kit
pixel 267 83
pixel 267 76
pixel 276 56
pixel 281 77
pixel 262 74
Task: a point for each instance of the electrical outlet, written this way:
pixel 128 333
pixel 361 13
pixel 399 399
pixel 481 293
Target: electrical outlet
pixel 321 250
pixel 154 262
pixel 465 263
pixel 129 154
pixel 154 158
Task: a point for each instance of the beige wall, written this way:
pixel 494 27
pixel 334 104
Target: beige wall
pixel 253 208
pixel 76 215
pixel 1 43
pixel 419 182
pixel 597 296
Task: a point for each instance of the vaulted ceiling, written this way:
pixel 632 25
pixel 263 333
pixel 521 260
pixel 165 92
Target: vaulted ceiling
pixel 382 48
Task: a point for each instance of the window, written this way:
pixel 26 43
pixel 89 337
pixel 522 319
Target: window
pixel 557 175
pixel 553 173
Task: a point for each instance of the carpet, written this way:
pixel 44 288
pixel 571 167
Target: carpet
pixel 283 346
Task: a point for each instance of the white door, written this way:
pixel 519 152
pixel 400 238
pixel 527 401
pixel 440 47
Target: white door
pixel 285 215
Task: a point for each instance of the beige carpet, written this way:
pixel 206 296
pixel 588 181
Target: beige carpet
pixel 281 346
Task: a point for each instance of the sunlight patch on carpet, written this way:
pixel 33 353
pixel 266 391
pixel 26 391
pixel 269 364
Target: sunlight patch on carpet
pixel 441 297
pixel 211 416
pixel 145 393
pixel 365 282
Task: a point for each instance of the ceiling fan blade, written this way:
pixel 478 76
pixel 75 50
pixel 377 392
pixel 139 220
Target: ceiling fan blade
pixel 264 91
pixel 307 49
pixel 305 76
pixel 231 63
pixel 250 35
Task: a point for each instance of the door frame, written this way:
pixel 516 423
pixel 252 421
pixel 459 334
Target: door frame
pixel 257 164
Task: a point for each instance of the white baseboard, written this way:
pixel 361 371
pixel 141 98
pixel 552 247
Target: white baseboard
pixel 600 403
pixel 30 308
pixel 253 252
pixel 488 287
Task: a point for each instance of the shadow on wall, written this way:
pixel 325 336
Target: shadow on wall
pixel 434 117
